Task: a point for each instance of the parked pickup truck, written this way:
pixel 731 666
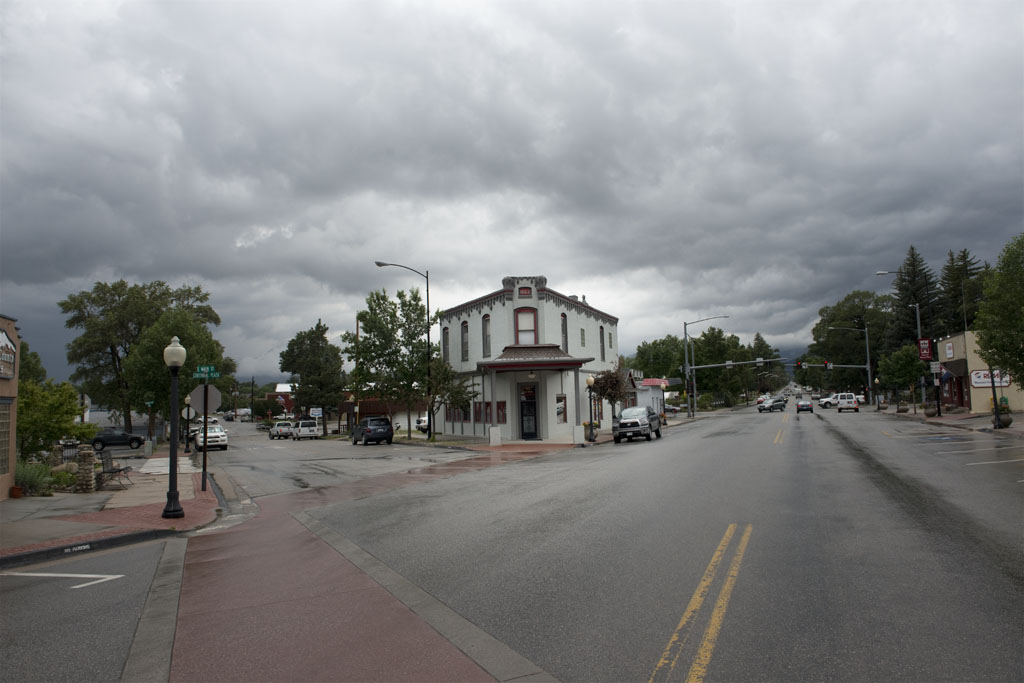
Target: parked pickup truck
pixel 281 430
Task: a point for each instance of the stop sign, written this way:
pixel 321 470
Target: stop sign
pixel 198 407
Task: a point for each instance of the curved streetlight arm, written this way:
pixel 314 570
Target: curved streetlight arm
pixel 690 407
pixel 381 264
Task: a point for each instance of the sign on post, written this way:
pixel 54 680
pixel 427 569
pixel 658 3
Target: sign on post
pixel 924 349
pixel 936 367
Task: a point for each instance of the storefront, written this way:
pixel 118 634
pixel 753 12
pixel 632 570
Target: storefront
pixel 10 345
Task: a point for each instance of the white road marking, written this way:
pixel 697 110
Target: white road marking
pixel 994 462
pixel 977 450
pixel 100 578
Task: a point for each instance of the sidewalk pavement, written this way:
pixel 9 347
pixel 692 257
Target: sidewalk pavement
pixel 973 422
pixel 41 528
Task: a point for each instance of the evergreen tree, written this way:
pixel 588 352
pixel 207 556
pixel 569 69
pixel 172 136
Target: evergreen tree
pixel 961 286
pixel 915 288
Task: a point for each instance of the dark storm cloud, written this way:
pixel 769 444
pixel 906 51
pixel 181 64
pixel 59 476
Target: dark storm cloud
pixel 755 159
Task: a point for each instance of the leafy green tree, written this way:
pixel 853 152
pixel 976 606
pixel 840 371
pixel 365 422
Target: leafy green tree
pixel 389 351
pixel 961 285
pixel 1000 321
pixel 316 368
pixel 857 310
pixel 46 413
pixel 611 386
pixel 30 367
pixel 901 369
pixel 148 380
pixel 112 317
pixel 659 358
pixel 447 387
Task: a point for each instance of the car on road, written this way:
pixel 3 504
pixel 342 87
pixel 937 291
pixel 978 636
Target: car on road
pixel 828 401
pixel 636 422
pixel 305 429
pixel 281 430
pixel 375 429
pixel 116 437
pixel 422 424
pixel 772 404
pixel 671 409
pixel 215 437
pixel 804 404
pixel 847 401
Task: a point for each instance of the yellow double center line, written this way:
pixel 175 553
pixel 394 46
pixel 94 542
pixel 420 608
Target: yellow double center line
pixel 676 644
pixel 778 436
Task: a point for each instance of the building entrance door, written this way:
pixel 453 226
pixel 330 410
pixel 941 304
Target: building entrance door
pixel 528 411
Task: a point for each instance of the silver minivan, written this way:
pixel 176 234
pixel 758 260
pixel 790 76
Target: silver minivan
pixel 305 429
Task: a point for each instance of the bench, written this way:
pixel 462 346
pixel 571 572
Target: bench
pixel 111 472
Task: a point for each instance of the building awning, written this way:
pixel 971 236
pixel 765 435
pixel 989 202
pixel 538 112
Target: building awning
pixel 521 357
pixel 957 367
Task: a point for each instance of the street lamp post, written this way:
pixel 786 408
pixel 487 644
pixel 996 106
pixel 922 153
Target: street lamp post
pixel 174 358
pixel 188 422
pixel 917 309
pixel 867 351
pixel 691 384
pixel 426 276
pixel 590 397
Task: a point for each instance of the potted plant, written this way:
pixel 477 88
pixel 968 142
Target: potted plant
pixel 16 492
pixel 1005 418
pixel 930 410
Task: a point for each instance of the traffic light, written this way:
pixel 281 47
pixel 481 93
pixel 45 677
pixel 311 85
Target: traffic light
pixel 828 364
pixel 799 365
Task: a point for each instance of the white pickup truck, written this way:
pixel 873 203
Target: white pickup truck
pixel 281 430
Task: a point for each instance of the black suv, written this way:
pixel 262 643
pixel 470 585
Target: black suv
pixel 374 429
pixel 116 437
pixel 636 421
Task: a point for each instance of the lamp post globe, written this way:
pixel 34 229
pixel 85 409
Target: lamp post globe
pixel 590 395
pixel 174 358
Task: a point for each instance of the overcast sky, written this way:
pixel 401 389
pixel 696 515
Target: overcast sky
pixel 668 160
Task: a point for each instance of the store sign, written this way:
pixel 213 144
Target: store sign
pixel 924 349
pixel 949 350
pixel 981 378
pixel 7 355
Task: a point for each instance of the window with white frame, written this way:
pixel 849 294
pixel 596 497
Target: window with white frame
pixel 465 341
pixel 526 326
pixel 600 336
pixel 444 345
pixel 485 331
pixel 583 337
pixel 565 333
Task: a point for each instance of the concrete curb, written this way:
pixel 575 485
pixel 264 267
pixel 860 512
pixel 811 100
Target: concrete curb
pixel 83 546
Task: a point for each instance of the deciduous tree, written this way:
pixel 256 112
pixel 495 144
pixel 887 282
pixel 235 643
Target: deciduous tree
pixel 316 368
pixel 1000 322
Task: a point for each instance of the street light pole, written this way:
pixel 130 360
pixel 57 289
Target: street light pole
pixel 691 383
pixel 590 397
pixel 917 309
pixel 426 276
pixel 188 421
pixel 174 358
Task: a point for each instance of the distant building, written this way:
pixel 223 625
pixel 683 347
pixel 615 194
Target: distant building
pixel 527 350
pixel 284 396
pixel 10 346
pixel 965 377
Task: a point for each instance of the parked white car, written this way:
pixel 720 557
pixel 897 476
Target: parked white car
pixel 305 429
pixel 421 424
pixel 216 438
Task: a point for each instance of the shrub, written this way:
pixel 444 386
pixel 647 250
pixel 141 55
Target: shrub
pixel 33 477
pixel 63 479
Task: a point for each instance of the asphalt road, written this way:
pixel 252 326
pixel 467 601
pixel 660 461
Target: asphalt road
pixel 75 619
pixel 261 466
pixel 743 547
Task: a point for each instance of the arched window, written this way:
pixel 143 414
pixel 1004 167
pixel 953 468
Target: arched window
pixel 600 335
pixel 444 345
pixel 526 326
pixel 485 330
pixel 465 341
pixel 565 333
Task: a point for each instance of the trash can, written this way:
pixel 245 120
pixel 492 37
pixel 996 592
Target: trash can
pixel 149 448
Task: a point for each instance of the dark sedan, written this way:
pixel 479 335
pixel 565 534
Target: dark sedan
pixel 116 437
pixel 804 404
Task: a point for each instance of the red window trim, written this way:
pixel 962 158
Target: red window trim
pixel 515 314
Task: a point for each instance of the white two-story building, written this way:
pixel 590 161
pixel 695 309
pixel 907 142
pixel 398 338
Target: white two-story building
pixel 527 350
